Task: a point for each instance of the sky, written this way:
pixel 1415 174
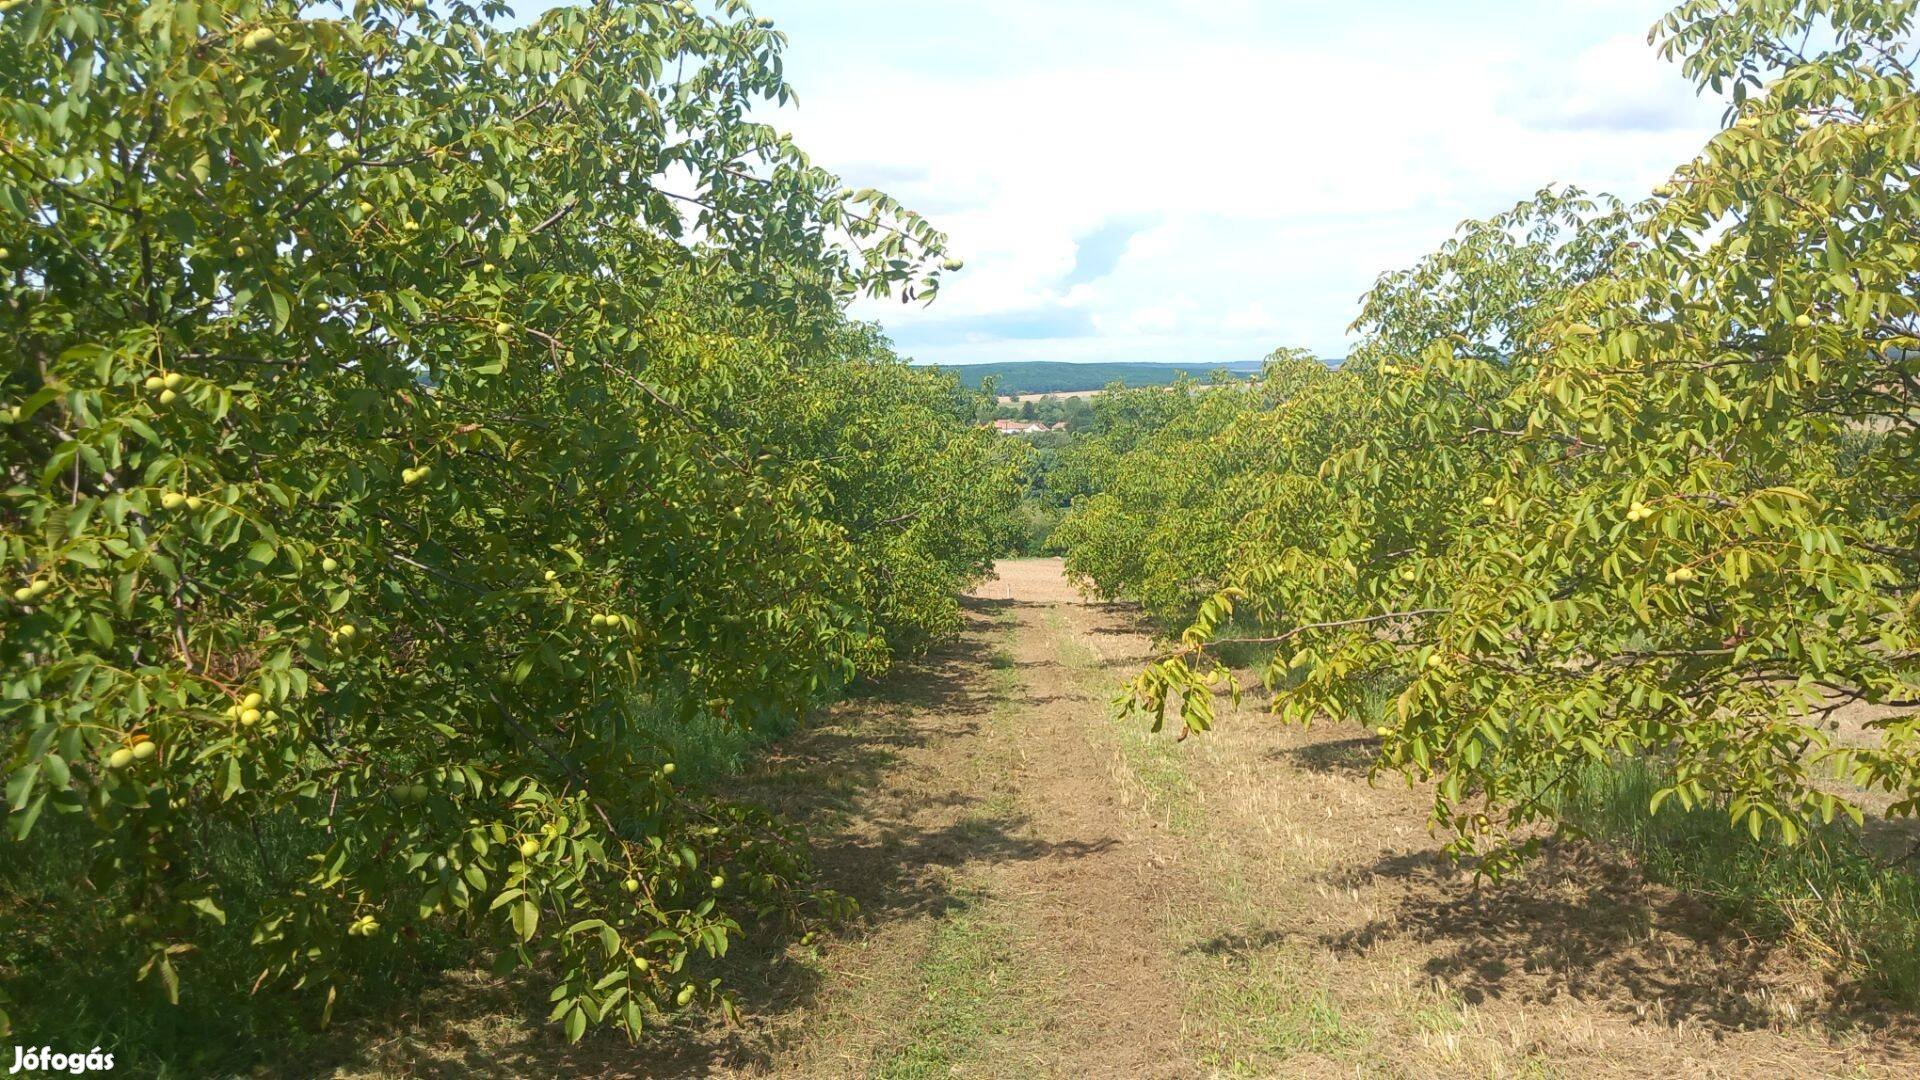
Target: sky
pixel 1203 181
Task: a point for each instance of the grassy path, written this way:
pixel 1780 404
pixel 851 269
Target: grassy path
pixel 1045 892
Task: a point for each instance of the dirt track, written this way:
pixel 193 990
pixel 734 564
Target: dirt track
pixel 1046 892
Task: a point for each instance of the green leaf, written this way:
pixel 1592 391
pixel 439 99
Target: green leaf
pixel 206 906
pixel 526 919
pixel 576 1024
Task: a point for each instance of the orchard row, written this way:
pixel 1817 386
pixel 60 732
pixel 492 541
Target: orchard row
pixel 408 419
pixel 1601 481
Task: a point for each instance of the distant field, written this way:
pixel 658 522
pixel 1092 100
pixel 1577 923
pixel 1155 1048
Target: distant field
pixel 1016 399
pixel 1057 395
pixel 1021 378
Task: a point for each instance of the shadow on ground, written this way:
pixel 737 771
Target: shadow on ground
pixel 1578 924
pixel 1344 757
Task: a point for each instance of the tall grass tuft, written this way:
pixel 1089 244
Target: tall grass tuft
pixel 1827 893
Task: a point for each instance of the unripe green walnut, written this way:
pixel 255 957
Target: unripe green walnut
pixel 1803 321
pixel 154 382
pixel 551 576
pixel 120 758
pixel 144 750
pixel 667 769
pixel 348 632
pixel 717 881
pixel 249 717
pixel 953 264
pixel 168 397
pixel 529 848
pixel 329 564
pixel 22 594
pixel 195 502
pixel 173 500
pixel 366 207
pixel 631 885
pixel 685 995
pixel 258 39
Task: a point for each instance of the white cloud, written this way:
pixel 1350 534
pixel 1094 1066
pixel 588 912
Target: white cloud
pixel 1619 84
pixel 1265 162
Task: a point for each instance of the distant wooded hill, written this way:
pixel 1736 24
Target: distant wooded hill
pixel 1050 377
